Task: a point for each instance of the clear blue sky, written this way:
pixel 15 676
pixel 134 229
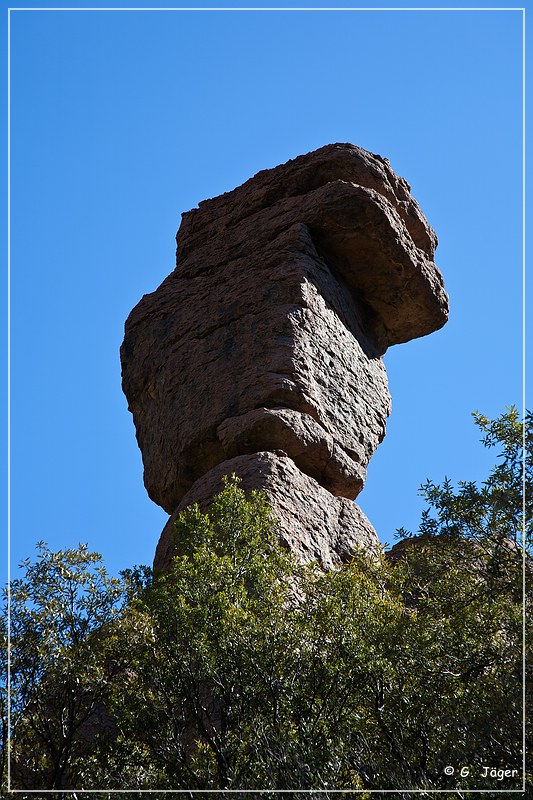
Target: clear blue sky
pixel 121 120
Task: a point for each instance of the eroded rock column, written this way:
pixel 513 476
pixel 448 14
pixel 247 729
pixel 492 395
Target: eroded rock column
pixel 260 354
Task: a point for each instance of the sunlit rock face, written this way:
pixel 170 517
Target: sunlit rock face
pixel 260 354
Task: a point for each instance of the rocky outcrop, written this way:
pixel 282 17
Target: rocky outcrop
pixel 260 354
pixel 316 526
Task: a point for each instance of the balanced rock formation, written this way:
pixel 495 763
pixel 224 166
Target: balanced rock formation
pixel 260 354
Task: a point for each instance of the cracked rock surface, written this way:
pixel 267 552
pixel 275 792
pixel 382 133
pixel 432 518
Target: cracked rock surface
pixel 260 354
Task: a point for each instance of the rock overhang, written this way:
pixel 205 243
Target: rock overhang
pixel 363 221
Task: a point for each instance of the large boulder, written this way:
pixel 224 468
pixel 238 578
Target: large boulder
pixel 315 525
pixel 267 339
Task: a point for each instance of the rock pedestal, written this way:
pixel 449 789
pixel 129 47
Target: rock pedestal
pixel 260 354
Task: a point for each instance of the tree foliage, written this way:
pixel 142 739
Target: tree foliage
pixel 239 669
pixel 66 650
pixel 501 509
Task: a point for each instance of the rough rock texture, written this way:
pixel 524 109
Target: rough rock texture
pixel 263 346
pixel 315 525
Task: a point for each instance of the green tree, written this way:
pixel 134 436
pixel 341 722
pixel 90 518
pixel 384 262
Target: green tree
pixel 501 509
pixel 212 673
pixel 466 569
pixel 377 675
pixel 67 650
pixel 240 669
